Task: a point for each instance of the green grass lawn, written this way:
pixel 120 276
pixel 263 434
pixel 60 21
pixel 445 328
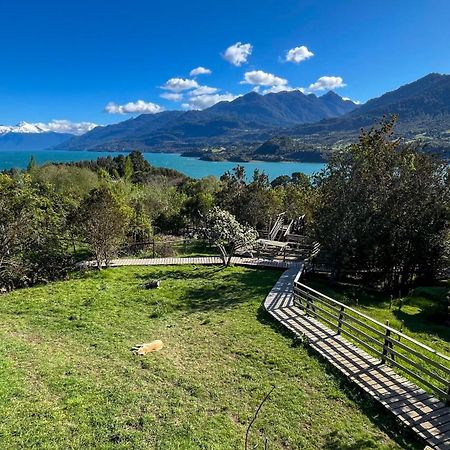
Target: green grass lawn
pixel 69 380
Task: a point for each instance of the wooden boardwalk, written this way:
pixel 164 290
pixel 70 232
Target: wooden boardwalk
pixel 428 417
pixel 418 410
pixel 206 260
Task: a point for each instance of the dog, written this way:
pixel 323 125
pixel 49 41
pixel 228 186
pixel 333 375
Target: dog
pixel 143 349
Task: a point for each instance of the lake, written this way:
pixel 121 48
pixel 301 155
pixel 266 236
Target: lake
pixel 192 167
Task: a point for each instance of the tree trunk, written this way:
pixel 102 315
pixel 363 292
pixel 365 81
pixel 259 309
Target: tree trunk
pixel 230 255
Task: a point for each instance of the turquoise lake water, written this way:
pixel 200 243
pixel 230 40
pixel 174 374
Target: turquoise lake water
pixel 192 167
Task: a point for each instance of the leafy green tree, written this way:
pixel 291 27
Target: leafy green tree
pixel 381 207
pixel 230 197
pixel 227 234
pixel 70 181
pixel 32 232
pixel 128 169
pixel 200 198
pixel 102 221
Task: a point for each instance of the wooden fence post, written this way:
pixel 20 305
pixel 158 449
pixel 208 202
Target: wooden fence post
pixel 340 320
pixel 307 304
pixel 386 343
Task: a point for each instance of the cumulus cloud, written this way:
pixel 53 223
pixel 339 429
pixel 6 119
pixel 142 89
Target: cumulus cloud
pixel 199 71
pixel 298 54
pixel 140 107
pixel 207 100
pixel 66 126
pixel 327 83
pixel 261 78
pixel 202 90
pixel 238 53
pixel 179 84
pixel 172 96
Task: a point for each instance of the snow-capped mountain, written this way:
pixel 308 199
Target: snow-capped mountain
pixel 28 136
pixel 21 127
pixel 40 136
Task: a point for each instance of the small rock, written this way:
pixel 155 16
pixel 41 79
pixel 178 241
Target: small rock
pixel 152 284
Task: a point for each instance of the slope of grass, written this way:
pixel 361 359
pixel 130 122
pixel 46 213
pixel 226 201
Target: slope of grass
pixel 68 379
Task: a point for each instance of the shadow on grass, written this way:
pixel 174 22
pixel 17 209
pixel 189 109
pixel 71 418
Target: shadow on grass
pixel 178 273
pixel 223 288
pixel 425 322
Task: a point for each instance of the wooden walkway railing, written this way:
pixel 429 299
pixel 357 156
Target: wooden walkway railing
pixel 429 368
pixel 364 350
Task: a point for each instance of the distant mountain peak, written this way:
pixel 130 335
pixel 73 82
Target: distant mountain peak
pixel 21 127
pixel 331 94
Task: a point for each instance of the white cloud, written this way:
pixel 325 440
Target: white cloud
pixel 66 126
pixel 202 90
pixel 356 102
pixel 327 83
pixel 298 54
pixel 208 100
pixel 172 96
pixel 238 53
pixel 260 78
pixel 275 89
pixel 133 107
pixel 199 71
pixel 179 84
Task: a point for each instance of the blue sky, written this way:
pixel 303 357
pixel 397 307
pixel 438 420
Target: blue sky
pixel 67 60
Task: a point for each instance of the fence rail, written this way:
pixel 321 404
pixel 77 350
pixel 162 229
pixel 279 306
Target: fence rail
pixel 429 368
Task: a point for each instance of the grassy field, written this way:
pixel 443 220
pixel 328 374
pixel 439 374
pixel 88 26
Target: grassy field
pixel 69 380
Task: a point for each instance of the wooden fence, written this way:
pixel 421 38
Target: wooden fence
pixel 427 367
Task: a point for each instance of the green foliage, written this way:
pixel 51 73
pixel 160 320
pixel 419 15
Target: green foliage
pixel 383 206
pixel 101 220
pixel 256 203
pixel 132 168
pixel 70 181
pixel 32 231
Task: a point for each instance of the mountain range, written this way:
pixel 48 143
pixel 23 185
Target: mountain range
pixel 27 136
pixel 287 125
pixel 247 119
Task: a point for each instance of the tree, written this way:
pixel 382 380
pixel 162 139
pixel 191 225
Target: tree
pixel 259 204
pixel 32 231
pixel 382 206
pixel 128 168
pixel 225 232
pixel 102 221
pixel 32 164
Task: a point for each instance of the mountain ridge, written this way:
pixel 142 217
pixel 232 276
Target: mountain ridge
pixel 244 119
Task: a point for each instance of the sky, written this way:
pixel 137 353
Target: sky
pixel 68 65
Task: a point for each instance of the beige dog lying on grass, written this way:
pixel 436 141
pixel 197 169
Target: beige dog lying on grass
pixel 143 349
